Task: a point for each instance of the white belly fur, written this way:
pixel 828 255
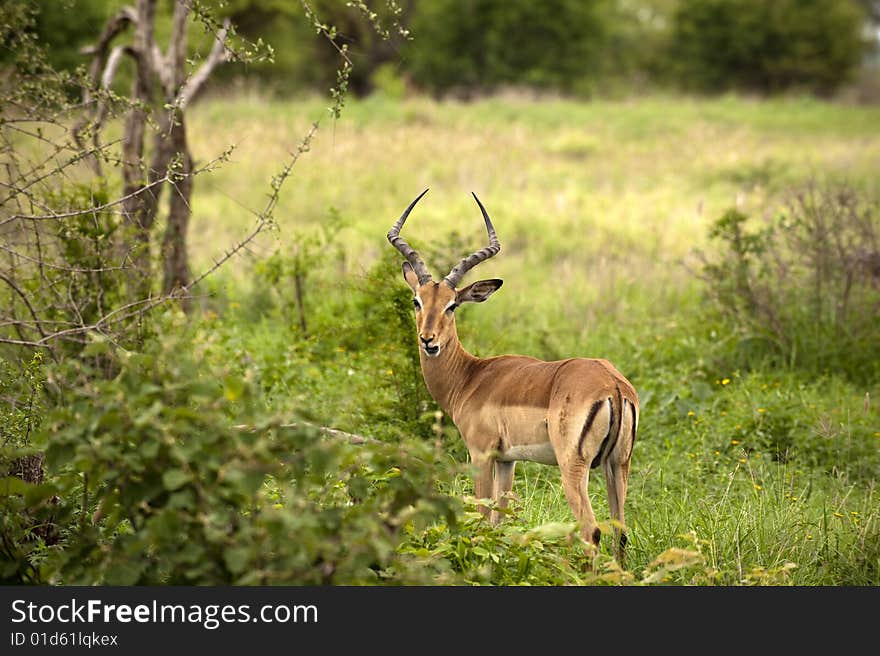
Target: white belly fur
pixel 523 432
pixel 542 453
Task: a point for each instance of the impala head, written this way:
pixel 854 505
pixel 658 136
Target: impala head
pixel 435 302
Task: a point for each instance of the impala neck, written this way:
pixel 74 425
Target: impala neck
pixel 446 374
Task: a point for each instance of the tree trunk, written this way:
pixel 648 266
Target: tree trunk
pixel 139 209
pixel 161 90
pixel 174 249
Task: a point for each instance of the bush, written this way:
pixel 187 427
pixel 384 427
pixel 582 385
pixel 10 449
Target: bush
pixel 804 289
pixel 158 485
pixel 65 30
pixel 484 44
pixel 27 523
pixel 766 45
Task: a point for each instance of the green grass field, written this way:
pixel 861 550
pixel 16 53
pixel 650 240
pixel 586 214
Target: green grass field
pixel 761 475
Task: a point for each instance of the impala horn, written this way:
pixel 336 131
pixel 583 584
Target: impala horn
pixel 411 255
pixel 474 259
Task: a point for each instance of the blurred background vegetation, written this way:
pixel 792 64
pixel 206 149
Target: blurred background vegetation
pixel 473 47
pixel 686 187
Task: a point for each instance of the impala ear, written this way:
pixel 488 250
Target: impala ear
pixel 409 274
pixel 479 291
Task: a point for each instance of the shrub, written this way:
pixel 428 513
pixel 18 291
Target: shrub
pixel 804 289
pixel 766 45
pixel 160 485
pixel 359 356
pixel 481 45
pixel 27 522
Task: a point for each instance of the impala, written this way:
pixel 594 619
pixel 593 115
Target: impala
pixel 578 413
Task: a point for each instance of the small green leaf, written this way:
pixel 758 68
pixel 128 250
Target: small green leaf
pixel 38 493
pixel 174 478
pixel 236 559
pixel 123 573
pixel 233 388
pixel 98 345
pixel 150 448
pixel 13 485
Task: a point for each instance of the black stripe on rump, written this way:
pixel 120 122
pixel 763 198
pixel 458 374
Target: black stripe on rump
pixel 598 457
pixel 588 424
pixel 632 441
pixel 608 445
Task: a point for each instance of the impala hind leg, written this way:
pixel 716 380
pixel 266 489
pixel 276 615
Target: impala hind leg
pixel 616 468
pixel 616 475
pixel 577 435
pixel 575 482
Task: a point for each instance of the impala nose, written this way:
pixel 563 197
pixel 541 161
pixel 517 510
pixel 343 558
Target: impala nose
pixel 426 344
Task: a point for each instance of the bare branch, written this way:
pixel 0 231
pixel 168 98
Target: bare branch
pixel 162 68
pixel 219 53
pixel 113 60
pixel 351 438
pixel 98 71
pixel 264 218
pixel 122 199
pixel 177 46
pixel 112 29
pixel 119 314
pixel 98 208
pixel 27 302
pixel 59 267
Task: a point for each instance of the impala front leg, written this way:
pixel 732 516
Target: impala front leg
pixel 483 484
pixel 502 487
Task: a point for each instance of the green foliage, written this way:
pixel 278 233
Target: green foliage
pixel 766 45
pixel 69 26
pixel 803 289
pixel 769 472
pixel 504 555
pixel 565 45
pixel 169 490
pixel 303 63
pixel 26 516
pixel 357 364
pixel 29 516
pixel 38 85
pixel 67 274
pixel 485 44
pixel 825 424
pixel 21 386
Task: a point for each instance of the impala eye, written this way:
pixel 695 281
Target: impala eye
pixel 452 307
pixel 416 304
